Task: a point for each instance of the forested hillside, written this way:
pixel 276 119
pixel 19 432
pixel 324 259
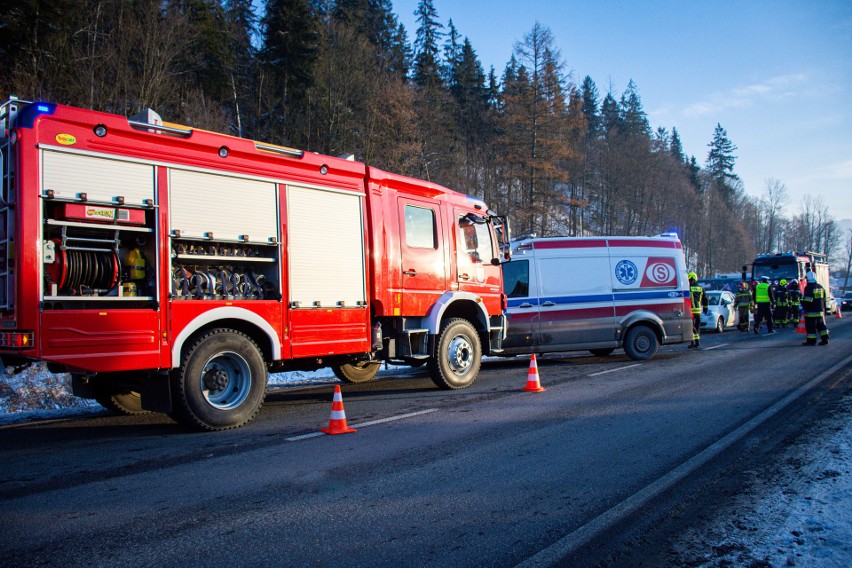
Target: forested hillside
pixel 553 151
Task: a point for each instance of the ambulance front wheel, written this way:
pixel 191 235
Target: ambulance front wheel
pixel 458 355
pixel 221 383
pixel 640 343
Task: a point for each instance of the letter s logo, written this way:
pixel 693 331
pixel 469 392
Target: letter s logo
pixel 660 273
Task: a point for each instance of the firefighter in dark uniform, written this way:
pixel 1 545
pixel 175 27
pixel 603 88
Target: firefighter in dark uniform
pixel 813 304
pixel 745 305
pixel 781 305
pixel 794 295
pixel 764 301
pixel 699 304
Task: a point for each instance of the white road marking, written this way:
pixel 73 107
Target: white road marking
pixel 715 347
pixel 614 370
pixel 365 424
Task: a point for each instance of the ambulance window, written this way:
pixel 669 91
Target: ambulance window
pixel 419 227
pixel 475 240
pixel 516 278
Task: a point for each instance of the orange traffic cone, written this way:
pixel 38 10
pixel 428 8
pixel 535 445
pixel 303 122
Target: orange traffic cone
pixel 801 328
pixel 837 313
pixel 337 423
pixel 533 384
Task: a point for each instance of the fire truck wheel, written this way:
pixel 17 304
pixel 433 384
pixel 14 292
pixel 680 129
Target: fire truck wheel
pixel 221 383
pixel 356 372
pixel 458 354
pixel 127 402
pixel 640 343
pixel 602 352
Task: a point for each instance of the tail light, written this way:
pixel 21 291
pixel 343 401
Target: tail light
pixel 17 339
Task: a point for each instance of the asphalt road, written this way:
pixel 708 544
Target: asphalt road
pixel 490 475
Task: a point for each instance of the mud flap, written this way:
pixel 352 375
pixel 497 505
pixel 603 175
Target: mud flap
pixel 156 394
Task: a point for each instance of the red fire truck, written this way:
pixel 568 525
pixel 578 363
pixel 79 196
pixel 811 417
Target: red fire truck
pixel 170 269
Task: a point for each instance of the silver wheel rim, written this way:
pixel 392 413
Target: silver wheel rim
pixel 460 355
pixel 226 380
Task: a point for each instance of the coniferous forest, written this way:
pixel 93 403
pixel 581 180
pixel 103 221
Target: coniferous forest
pixel 556 153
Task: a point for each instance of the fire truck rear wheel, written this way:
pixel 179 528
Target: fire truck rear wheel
pixel 221 383
pixel 126 402
pixel 458 355
pixel 640 343
pixel 356 372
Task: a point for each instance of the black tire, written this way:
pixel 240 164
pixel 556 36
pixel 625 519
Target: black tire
pixel 221 382
pixel 360 372
pixel 125 402
pixel 114 391
pixel 602 352
pixel 458 355
pixel 640 343
pixel 720 325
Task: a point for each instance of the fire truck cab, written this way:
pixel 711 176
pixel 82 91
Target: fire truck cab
pixel 170 269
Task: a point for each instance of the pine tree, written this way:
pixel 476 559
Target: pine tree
pixel 676 147
pixel 634 119
pixel 720 165
pixel 590 106
pixel 427 69
pixel 289 52
pixel 721 158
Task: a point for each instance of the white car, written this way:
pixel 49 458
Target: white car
pixel 721 311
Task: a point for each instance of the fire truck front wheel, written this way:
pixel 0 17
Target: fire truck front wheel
pixel 458 354
pixel 356 372
pixel 221 383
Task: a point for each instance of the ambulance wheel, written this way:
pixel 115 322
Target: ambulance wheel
pixel 458 354
pixel 360 372
pixel 720 325
pixel 602 352
pixel 640 343
pixel 221 383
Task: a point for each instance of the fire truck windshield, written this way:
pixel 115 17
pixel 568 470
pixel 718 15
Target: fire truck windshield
pixel 776 270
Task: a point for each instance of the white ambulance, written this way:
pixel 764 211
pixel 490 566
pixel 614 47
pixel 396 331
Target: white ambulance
pixel 596 294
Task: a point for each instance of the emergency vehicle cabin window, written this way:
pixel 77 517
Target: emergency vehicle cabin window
pixel 475 240
pixel 516 278
pixel 420 227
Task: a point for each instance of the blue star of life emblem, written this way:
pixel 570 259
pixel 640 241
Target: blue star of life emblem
pixel 626 272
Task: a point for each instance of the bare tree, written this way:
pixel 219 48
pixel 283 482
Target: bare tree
pixel 775 197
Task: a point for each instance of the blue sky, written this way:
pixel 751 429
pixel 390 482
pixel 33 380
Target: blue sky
pixel 776 75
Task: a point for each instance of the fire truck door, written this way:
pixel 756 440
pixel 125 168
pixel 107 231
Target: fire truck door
pixel 422 255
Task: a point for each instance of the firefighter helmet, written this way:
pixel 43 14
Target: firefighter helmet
pixel 811 277
pixel 783 282
pixel 693 277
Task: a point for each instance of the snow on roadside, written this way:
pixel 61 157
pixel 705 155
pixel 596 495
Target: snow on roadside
pixel 800 516
pixel 37 394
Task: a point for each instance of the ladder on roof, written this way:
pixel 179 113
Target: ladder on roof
pixel 8 113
